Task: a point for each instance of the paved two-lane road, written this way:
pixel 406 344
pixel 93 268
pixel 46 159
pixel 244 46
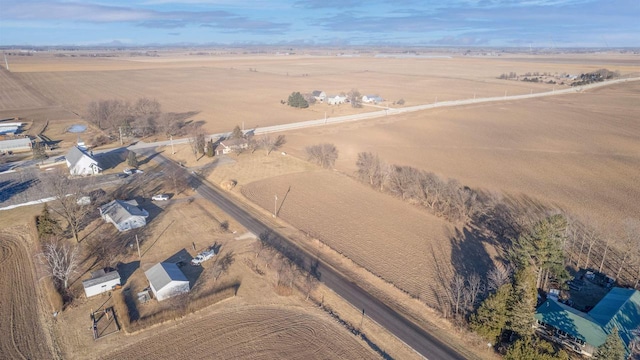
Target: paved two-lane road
pixel 414 336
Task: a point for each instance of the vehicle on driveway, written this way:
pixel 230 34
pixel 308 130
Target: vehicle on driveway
pixel 203 256
pixel 160 197
pixel 130 171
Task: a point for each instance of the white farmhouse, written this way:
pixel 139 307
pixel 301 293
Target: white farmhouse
pixel 81 163
pixel 335 100
pixel 167 280
pixel 319 95
pixel 101 281
pixel 230 145
pixel 124 215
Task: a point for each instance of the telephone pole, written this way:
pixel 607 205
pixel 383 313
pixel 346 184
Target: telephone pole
pixel 275 206
pixel 138 244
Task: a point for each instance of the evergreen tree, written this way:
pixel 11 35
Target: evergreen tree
pixel 236 133
pixel 297 100
pixel 46 224
pixel 522 305
pixel 39 151
pixel 528 348
pixel 210 148
pixel 491 317
pixel 542 248
pixel 132 160
pixel 612 348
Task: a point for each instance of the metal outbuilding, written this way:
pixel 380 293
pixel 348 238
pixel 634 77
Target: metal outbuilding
pixel 101 281
pixel 167 280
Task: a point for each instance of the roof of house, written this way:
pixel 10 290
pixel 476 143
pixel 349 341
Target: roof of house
pixel 161 274
pixel 233 142
pixel 75 154
pixel 572 321
pixel 317 92
pixel 99 278
pixel 119 210
pixel 619 308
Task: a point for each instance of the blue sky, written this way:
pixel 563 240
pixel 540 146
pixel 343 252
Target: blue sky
pixel 539 23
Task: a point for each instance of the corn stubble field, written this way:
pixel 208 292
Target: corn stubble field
pixel 577 151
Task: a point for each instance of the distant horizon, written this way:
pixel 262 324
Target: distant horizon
pixel 547 24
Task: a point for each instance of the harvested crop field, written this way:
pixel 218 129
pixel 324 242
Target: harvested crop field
pixel 579 152
pixel 392 239
pixel 21 329
pixel 250 332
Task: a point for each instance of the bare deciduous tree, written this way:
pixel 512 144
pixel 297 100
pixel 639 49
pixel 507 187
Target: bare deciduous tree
pixel 629 241
pixel 61 260
pixel 66 193
pixel 197 140
pixel 177 178
pixel 272 143
pixel 222 264
pixel 355 98
pixel 473 289
pixel 497 277
pixel 324 155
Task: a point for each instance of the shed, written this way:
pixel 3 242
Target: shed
pixel 101 281
pixel 167 280
pixel 20 144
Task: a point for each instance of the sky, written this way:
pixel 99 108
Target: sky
pixel 459 23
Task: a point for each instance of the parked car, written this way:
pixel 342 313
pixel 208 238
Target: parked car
pixel 202 257
pixel 128 171
pixel 160 197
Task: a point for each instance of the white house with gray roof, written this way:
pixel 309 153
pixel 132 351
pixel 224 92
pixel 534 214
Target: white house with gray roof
pixel 81 162
pixel 124 214
pixel 167 280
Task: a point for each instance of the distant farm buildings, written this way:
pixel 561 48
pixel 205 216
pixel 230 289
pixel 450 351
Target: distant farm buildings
pixel 231 145
pixel 319 95
pixel 167 280
pixel 10 128
pixel 372 99
pixel 336 100
pixel 80 162
pixel 124 215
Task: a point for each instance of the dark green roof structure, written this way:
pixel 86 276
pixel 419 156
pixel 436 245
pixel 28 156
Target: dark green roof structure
pixel 619 308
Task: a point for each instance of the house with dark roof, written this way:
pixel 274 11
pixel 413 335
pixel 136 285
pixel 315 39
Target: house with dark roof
pixel 319 95
pixel 124 215
pixel 100 282
pixel 584 332
pixel 167 280
pixel 80 162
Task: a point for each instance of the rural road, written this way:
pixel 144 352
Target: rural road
pixel 410 333
pixel 393 111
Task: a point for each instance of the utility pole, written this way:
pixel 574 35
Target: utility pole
pixel 173 151
pixel 275 206
pixel 138 243
pixel 361 320
pixel 120 130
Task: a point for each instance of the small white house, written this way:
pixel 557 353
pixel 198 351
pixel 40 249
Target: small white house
pixel 372 99
pixel 229 145
pixel 82 163
pixel 336 100
pixel 167 280
pixel 100 282
pixel 319 95
pixel 124 215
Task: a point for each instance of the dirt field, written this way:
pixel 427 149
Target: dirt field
pixel 22 332
pixel 226 91
pixel 390 238
pixel 579 152
pixel 251 332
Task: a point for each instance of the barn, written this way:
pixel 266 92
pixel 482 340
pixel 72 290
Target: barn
pixel 167 280
pixel 15 145
pixel 101 281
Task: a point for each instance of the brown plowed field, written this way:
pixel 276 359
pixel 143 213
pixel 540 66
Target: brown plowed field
pixel 392 239
pixel 21 334
pixel 579 151
pixel 250 332
pixel 14 94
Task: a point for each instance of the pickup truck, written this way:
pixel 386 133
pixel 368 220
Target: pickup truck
pixel 202 257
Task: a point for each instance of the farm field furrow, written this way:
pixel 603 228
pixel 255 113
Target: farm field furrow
pixel 22 336
pixel 251 332
pixel 390 238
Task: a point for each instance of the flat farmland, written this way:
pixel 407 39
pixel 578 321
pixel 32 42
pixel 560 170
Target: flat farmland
pixel 22 332
pixel 390 238
pixel 226 91
pixel 250 332
pixel 580 151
